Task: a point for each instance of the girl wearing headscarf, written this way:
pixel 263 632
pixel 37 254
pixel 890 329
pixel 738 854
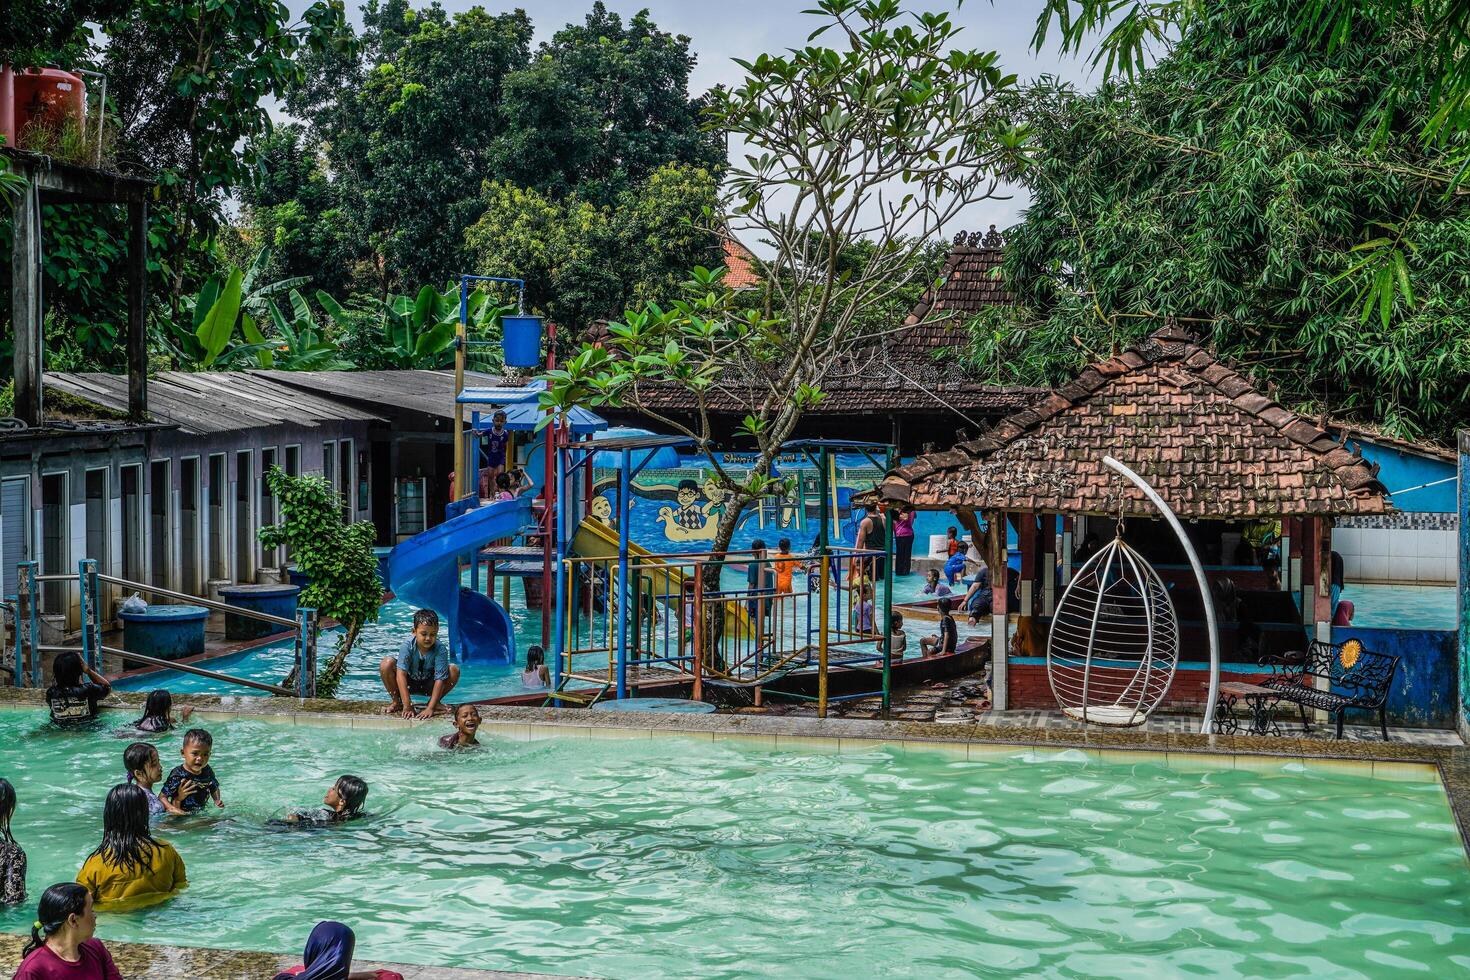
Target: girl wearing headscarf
pixel 328 956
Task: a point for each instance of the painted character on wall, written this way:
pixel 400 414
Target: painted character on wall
pixel 689 521
pixel 601 508
pixel 716 495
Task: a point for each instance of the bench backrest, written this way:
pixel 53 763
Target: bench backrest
pixel 1360 674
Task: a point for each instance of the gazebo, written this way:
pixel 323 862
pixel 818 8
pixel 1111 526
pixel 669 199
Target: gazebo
pixel 1224 456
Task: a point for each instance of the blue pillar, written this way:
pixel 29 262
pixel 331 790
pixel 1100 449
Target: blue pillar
pixel 559 501
pixel 624 617
pixel 306 653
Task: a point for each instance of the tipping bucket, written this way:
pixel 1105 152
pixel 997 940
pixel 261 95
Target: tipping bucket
pixel 522 340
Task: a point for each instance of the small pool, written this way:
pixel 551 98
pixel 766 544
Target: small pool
pixel 679 857
pixel 1413 607
pixel 395 621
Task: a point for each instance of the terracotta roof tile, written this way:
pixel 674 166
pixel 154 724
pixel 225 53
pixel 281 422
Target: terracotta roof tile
pixel 739 266
pixel 1212 446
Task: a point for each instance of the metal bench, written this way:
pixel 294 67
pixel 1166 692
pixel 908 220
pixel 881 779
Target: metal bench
pixel 1350 678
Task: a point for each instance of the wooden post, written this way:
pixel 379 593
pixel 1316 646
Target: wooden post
pixel 1050 541
pixel 138 310
pixel 25 303
pixel 999 638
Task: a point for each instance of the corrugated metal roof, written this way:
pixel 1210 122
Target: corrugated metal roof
pixel 429 392
pixel 219 401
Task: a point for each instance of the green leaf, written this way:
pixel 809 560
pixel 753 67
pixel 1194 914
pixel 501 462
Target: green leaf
pixel 219 324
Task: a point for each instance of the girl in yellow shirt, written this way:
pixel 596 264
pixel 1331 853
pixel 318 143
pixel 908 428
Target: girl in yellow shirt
pixel 130 864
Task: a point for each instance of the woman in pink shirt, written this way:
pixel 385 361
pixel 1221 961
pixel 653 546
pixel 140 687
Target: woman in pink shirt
pixel 61 946
pixel 903 542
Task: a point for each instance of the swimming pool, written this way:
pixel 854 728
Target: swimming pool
pixel 1409 607
pixel 674 856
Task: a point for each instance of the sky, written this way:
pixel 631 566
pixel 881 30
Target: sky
pixel 721 30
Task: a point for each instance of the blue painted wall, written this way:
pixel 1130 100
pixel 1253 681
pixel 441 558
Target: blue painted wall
pixel 1399 471
pixel 1424 686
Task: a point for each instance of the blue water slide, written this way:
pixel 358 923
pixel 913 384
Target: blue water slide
pixel 424 571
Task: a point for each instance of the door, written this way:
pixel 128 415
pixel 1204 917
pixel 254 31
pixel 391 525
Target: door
pixel 55 538
pixel 190 518
pixel 269 557
pixel 160 532
pixel 15 527
pixel 219 524
pixel 131 478
pixel 244 522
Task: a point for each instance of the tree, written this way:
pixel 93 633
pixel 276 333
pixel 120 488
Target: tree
pixel 583 261
pixel 336 557
pixel 883 139
pixel 49 32
pixel 1237 186
pixel 602 107
pixel 188 82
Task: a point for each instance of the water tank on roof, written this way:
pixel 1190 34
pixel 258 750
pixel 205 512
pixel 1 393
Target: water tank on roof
pixel 40 98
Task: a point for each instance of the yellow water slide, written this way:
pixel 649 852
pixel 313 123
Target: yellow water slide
pixel 597 540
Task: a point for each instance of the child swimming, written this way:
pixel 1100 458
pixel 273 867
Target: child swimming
pixel 158 713
pixel 932 585
pixel 343 802
pixel 190 784
pixel 145 769
pixel 12 858
pixel 72 701
pixel 536 677
pixel 466 724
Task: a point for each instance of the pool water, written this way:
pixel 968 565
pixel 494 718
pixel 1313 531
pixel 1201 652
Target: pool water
pixel 676 857
pixel 478 681
pixel 1405 607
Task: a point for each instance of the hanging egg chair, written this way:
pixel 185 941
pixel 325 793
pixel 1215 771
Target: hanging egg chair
pixel 1114 640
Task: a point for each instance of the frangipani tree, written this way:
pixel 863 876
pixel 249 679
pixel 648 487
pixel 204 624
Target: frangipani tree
pixel 883 138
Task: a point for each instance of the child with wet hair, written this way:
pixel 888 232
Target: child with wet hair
pixel 343 802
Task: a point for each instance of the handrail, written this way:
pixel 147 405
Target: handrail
pixel 202 672
pixel 196 601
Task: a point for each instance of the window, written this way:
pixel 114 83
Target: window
pixel 329 462
pixel 346 485
pixel 293 461
pixel 410 506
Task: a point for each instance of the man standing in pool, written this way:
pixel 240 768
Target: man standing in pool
pixel 421 667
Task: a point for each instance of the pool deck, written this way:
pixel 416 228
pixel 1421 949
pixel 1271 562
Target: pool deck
pixel 1407 756
pixel 141 961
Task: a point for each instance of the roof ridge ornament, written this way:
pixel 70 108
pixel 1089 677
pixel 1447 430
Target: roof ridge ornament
pixel 979 239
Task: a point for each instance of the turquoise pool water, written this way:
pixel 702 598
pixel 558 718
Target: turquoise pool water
pixel 676 857
pixel 383 638
pixel 1407 607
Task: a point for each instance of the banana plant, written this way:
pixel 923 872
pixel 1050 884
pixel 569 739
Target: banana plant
pixel 232 299
pixel 299 343
pixel 419 331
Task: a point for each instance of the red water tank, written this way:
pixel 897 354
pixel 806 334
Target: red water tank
pixel 47 97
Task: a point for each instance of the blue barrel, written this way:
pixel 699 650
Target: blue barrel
pixel 522 341
pixel 297 576
pixel 273 600
pixel 166 632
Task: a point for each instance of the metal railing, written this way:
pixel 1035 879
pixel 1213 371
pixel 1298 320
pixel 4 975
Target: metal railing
pixel 749 636
pixel 26 610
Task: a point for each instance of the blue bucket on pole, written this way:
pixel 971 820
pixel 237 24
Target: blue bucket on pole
pixel 522 340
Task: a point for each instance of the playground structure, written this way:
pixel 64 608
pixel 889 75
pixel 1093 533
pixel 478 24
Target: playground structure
pixel 30 651
pixel 631 619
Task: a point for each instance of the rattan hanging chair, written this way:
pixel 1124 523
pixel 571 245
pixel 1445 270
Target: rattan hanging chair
pixel 1114 641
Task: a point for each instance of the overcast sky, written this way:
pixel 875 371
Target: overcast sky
pixel 720 30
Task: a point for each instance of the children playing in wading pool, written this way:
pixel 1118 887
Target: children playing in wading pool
pixel 466 724
pixel 343 802
pixel 421 667
pixel 948 638
pixel 145 769
pixel 190 785
pixel 12 858
pixel 536 677
pixel 158 713
pixel 73 701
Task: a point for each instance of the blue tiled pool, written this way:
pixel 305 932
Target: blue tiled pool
pixel 1413 607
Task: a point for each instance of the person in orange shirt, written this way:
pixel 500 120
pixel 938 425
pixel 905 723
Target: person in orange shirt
pixel 786 565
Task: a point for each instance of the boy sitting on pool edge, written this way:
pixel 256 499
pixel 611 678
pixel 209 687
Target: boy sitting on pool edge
pixel 421 667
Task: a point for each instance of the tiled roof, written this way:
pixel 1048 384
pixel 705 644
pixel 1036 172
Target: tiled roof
pixel 1212 446
pixel 969 282
pixel 739 266
pixel 850 396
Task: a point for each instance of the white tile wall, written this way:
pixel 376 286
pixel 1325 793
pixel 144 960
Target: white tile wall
pixel 1405 556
